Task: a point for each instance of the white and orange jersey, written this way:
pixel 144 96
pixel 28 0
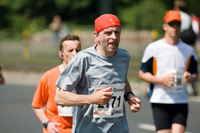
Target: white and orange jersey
pixel 161 58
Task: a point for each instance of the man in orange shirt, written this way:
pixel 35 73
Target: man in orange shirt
pixel 55 118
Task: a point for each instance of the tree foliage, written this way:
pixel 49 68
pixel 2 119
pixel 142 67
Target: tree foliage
pixel 16 15
pixel 144 15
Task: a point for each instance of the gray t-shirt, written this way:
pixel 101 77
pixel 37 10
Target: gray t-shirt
pixel 87 69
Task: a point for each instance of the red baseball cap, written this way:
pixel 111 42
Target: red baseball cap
pixel 105 21
pixel 172 15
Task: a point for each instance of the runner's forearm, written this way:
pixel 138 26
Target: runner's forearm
pixel 40 114
pixel 127 87
pixel 148 77
pixel 66 98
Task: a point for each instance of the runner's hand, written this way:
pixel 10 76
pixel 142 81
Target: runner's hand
pixel 103 96
pixel 51 127
pixel 134 103
pixel 187 77
pixel 168 80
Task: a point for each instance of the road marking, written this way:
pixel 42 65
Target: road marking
pixel 149 127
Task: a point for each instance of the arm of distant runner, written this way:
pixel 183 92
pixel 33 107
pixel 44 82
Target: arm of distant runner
pixel 133 101
pixel 1 79
pixel 187 76
pixel 150 78
pixel 66 98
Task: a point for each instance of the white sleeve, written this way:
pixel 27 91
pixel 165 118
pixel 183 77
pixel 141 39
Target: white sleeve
pixel 148 53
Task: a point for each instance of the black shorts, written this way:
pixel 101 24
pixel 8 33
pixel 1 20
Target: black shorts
pixel 167 114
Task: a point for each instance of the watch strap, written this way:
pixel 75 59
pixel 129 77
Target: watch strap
pixel 126 95
pixel 46 124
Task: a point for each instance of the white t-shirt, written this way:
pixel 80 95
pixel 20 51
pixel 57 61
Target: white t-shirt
pixel 160 59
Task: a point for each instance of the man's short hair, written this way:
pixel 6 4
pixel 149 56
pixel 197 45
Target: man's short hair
pixel 68 37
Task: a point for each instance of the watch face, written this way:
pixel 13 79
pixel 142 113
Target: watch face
pixel 44 125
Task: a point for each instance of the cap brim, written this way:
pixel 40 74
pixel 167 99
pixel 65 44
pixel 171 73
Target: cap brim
pixel 169 20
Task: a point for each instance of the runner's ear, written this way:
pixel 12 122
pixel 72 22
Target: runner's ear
pixel 60 54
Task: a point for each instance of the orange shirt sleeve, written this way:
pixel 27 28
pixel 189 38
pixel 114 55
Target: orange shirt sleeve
pixel 41 94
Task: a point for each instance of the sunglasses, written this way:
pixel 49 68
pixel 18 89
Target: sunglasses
pixel 171 24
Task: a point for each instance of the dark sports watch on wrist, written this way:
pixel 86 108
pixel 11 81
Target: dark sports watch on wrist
pixel 45 124
pixel 126 95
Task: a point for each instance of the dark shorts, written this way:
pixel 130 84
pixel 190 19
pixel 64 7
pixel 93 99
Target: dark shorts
pixel 167 114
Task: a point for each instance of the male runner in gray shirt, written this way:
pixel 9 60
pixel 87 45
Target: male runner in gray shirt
pixel 99 76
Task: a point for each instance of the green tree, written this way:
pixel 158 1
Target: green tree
pixel 147 14
pixel 16 15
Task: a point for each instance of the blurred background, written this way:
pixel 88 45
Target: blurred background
pixel 30 30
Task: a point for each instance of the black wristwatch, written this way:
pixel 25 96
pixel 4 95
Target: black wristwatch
pixel 126 95
pixel 45 124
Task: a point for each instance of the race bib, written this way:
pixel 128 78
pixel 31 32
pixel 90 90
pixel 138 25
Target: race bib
pixel 64 110
pixel 178 85
pixel 114 108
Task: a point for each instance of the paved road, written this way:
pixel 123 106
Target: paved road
pixel 17 116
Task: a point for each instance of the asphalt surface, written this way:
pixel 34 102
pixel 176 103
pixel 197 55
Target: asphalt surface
pixel 17 116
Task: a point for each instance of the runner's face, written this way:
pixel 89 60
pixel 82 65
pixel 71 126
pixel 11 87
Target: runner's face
pixel 70 48
pixel 172 28
pixel 109 40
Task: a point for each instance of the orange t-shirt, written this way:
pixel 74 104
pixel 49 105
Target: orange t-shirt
pixel 45 94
